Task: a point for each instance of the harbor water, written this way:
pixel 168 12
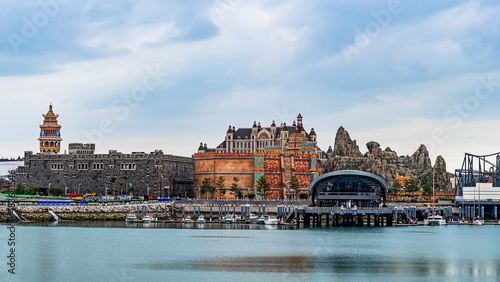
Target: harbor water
pixel 117 251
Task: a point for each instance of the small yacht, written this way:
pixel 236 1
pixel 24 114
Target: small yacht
pixel 272 220
pixel 478 221
pixel 201 219
pixel 435 220
pixel 253 217
pixel 131 218
pixel 261 220
pixel 187 219
pixel 147 218
pixel 228 219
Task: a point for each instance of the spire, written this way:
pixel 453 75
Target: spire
pixel 300 128
pixel 254 124
pixel 273 124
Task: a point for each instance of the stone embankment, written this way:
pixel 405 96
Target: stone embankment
pixel 41 213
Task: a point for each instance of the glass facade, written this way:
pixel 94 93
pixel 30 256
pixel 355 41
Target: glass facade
pixel 348 191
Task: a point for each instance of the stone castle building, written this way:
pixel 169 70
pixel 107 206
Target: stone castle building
pixel 83 171
pixel 274 152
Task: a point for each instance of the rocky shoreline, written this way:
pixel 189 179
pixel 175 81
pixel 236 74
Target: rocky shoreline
pixel 41 213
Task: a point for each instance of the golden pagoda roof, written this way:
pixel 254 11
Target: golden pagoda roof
pixel 50 120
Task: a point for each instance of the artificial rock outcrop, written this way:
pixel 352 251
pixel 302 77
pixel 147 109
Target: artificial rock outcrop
pixel 386 163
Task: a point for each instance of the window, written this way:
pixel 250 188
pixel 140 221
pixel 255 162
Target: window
pixel 98 166
pixel 56 166
pixel 83 166
pixel 128 166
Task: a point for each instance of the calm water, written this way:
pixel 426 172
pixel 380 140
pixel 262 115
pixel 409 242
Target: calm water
pixel 115 251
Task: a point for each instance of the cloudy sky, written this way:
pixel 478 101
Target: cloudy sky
pixel 146 75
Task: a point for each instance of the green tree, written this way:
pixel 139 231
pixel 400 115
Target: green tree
pixel 20 189
pixel 263 187
pixel 207 187
pixel 304 196
pixel 54 191
pixel 427 189
pixel 221 186
pixel 235 188
pixel 294 185
pixel 32 190
pixel 251 196
pixel 411 185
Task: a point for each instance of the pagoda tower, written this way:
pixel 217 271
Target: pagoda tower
pixel 50 133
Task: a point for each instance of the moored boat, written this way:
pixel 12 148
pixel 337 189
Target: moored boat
pixel 147 219
pixel 261 220
pixel 228 219
pixel 187 219
pixel 435 220
pixel 272 220
pixel 131 218
pixel 478 221
pixel 253 217
pixel 201 219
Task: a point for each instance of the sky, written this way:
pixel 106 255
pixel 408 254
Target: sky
pixel 136 76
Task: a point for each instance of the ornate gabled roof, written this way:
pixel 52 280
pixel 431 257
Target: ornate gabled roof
pixel 50 120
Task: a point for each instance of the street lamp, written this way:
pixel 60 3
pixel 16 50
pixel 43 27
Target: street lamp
pixel 79 188
pixel 148 190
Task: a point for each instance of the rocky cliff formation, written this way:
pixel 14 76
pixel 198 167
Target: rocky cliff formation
pixel 386 163
pixel 344 146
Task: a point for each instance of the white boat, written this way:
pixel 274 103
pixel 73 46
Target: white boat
pixel 147 218
pixel 272 220
pixel 478 221
pixel 201 219
pixel 187 219
pixel 253 217
pixel 435 220
pixel 228 219
pixel 131 218
pixel 261 220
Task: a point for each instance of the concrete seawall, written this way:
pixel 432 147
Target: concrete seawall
pixel 41 213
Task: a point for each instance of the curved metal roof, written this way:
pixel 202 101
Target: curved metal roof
pixel 350 173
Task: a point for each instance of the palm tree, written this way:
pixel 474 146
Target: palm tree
pixel 263 186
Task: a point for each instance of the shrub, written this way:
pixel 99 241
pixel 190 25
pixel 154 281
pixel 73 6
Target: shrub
pixel 303 196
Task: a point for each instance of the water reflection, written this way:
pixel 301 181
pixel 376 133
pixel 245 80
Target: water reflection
pixel 339 264
pixel 174 225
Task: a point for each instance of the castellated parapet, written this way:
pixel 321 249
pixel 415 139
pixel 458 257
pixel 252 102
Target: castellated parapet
pixel 83 171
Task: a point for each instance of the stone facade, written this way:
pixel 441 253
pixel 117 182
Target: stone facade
pixel 276 167
pixel 82 171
